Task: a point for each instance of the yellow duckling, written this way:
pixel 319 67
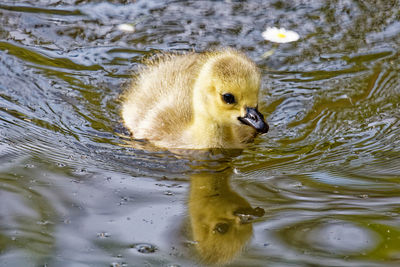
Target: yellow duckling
pixel 196 101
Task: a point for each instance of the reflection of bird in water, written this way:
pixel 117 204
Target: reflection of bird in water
pixel 220 218
pixel 196 101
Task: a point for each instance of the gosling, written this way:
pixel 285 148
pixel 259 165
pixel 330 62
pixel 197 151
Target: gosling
pixel 196 101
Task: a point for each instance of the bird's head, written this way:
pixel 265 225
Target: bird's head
pixel 227 90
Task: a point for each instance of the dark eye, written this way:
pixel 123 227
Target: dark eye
pixel 228 98
pixel 222 228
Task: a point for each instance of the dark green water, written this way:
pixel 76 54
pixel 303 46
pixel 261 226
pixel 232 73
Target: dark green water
pixel 322 188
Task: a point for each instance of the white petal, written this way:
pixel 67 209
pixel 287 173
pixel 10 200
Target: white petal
pixel 280 35
pixel 126 27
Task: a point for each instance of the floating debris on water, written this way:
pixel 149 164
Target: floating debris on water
pixel 126 27
pixel 280 35
pixel 168 193
pixel 144 248
pixel 103 235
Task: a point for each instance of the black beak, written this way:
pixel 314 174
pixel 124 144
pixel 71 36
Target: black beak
pixel 254 119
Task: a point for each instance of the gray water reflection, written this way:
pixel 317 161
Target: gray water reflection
pixel 72 192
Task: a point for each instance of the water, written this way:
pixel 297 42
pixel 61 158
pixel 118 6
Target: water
pixel 322 188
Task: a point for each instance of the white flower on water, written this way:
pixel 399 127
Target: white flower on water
pixel 280 35
pixel 125 27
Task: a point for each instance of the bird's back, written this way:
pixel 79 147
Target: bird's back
pixel 158 104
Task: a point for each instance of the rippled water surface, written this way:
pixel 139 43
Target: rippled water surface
pixel 322 188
